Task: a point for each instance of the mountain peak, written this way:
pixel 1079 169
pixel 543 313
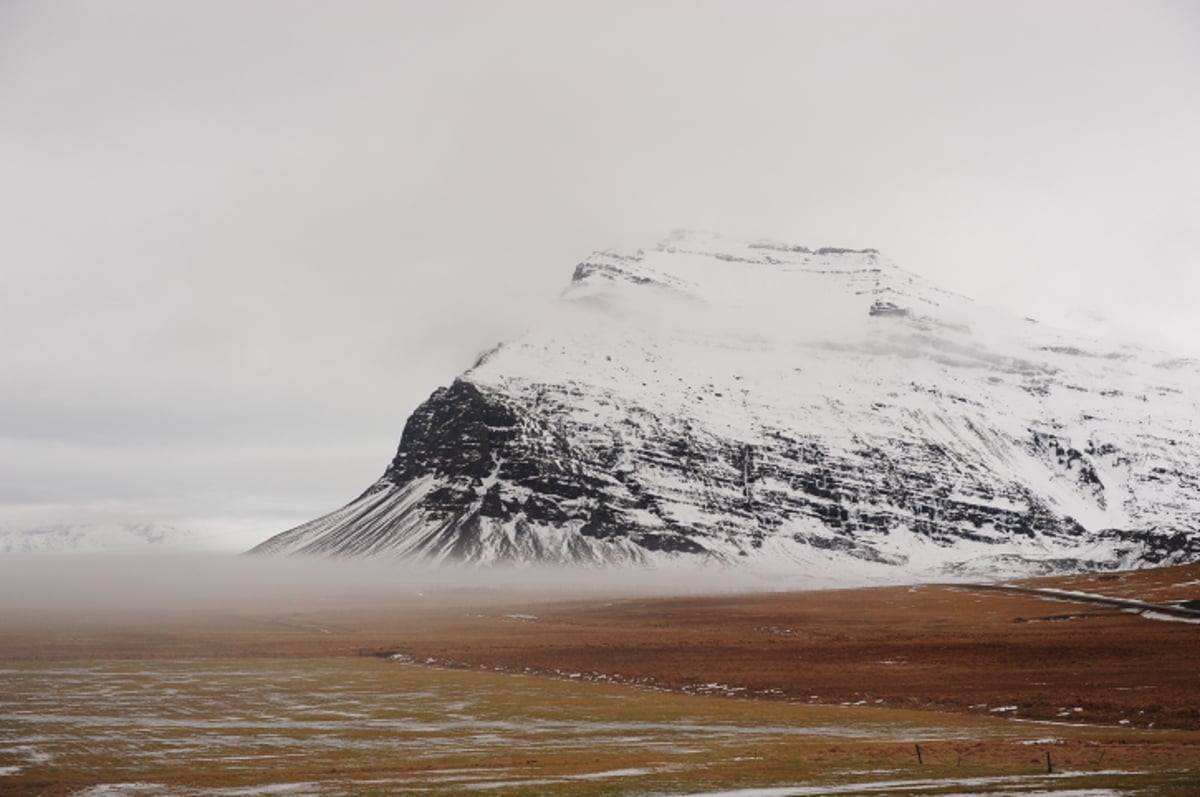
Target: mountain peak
pixel 716 243
pixel 808 409
pixel 763 251
pixel 773 278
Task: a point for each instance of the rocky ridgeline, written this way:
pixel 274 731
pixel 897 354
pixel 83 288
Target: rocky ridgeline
pixel 816 410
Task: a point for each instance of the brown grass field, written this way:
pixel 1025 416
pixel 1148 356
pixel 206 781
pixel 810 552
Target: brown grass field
pixel 810 692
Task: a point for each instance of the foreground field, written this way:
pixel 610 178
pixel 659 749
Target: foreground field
pixel 454 691
pixel 364 726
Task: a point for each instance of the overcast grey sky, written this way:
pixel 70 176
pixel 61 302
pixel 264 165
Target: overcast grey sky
pixel 240 242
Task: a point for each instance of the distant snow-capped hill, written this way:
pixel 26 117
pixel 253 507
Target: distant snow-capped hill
pixel 96 538
pixel 794 408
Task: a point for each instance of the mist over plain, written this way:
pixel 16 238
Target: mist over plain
pixel 105 585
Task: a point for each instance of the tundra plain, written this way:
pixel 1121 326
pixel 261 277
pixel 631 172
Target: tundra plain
pixel 932 689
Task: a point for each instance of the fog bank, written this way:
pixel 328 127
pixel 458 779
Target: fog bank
pixel 133 585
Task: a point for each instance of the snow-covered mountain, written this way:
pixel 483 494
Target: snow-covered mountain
pixel 96 538
pixel 815 410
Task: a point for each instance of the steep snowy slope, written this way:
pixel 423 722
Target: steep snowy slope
pixel 750 402
pixel 95 538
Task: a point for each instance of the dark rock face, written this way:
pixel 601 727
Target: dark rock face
pixel 464 436
pixel 496 462
pixel 887 308
pixel 456 434
pixel 507 464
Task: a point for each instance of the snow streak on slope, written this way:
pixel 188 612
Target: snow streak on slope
pixel 750 402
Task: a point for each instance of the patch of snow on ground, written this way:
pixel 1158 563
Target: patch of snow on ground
pixel 1014 785
pixel 612 773
pixel 126 789
pixel 102 789
pixel 1170 618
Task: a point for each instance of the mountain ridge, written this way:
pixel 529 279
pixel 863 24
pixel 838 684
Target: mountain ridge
pixel 751 402
pixel 100 537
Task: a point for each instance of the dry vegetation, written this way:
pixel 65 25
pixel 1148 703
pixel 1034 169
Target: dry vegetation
pixel 817 688
pixel 362 726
